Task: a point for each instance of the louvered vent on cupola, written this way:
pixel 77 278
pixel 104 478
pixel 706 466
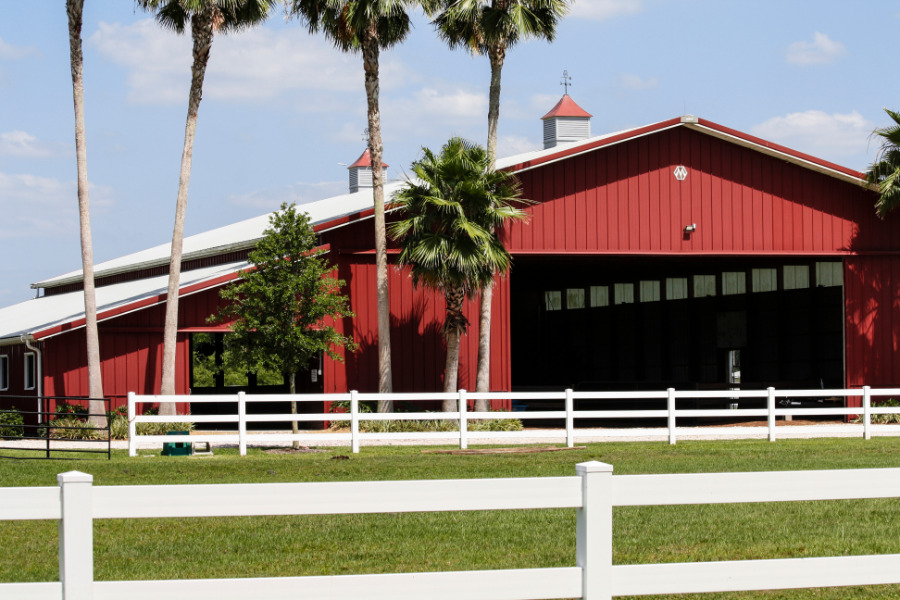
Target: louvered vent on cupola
pixel 566 123
pixel 361 172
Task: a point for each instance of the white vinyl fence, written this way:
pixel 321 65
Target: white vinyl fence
pixel 566 414
pixel 593 492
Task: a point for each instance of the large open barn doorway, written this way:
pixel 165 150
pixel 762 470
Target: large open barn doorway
pixel 624 323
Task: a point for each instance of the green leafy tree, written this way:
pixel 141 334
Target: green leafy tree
pixel 367 27
pixel 205 18
pixel 885 171
pixel 282 311
pixel 491 28
pixel 96 405
pixel 447 231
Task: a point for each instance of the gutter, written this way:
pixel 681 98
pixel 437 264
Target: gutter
pixel 38 371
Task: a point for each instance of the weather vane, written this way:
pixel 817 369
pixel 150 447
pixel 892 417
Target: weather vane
pixel 566 80
pixel 365 134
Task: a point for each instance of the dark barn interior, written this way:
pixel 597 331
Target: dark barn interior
pixel 649 323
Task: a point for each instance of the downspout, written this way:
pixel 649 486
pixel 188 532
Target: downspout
pixel 38 375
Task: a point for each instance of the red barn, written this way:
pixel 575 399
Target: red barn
pixel 683 254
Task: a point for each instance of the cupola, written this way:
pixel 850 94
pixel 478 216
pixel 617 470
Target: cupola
pixel 566 123
pixel 361 172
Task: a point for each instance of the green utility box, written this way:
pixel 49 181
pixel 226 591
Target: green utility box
pixel 177 448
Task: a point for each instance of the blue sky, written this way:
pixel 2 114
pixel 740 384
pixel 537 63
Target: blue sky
pixel 282 109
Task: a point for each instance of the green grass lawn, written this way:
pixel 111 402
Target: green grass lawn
pixel 276 546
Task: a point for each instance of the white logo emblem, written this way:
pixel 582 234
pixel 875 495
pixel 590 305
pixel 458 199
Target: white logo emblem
pixel 680 172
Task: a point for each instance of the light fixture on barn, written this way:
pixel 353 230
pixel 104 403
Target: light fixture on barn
pixel 689 229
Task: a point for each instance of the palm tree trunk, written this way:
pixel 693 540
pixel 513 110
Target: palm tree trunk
pixel 483 376
pixel 202 34
pixel 96 406
pixel 454 325
pixel 370 52
pixel 497 54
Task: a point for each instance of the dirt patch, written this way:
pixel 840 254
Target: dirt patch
pixel 300 450
pixel 512 450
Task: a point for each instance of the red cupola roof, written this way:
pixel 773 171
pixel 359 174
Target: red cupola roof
pixel 566 107
pixel 365 160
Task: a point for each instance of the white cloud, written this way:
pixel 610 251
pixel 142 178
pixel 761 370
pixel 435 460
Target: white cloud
pixel 815 132
pixel 510 145
pixel 601 10
pixel 258 64
pixel 430 108
pixel 299 193
pixel 10 52
pixel 821 50
pixel 638 83
pixel 22 144
pixel 53 205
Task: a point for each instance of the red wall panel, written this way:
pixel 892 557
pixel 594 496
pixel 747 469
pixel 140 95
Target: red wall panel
pixel 625 199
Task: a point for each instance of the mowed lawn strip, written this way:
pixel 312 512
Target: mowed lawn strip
pixel 316 545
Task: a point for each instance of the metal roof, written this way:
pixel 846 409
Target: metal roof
pixel 51 315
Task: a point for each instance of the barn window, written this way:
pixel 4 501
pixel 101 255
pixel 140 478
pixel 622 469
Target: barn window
pixel 649 291
pixel 623 293
pixel 30 375
pixel 764 280
pixel 796 277
pixel 599 295
pixel 733 283
pixel 553 300
pixel 574 298
pixel 829 274
pixel 704 285
pixel 4 372
pixel 676 288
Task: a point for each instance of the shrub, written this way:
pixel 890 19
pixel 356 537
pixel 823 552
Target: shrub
pixel 882 419
pixel 158 428
pixel 74 428
pixel 416 426
pixel 11 423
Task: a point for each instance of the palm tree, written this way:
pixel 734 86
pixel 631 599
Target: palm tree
pixel 367 27
pixel 96 405
pixel 446 228
pixel 491 28
pixel 885 171
pixel 204 17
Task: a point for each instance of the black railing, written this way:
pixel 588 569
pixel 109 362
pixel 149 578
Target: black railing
pixel 54 424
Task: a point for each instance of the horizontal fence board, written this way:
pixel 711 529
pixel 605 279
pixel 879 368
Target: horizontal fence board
pixel 114 502
pixel 407 396
pixel 26 503
pixel 517 584
pixel 773 574
pixel 223 438
pixel 31 591
pixel 307 436
pixel 186 419
pixel 772 486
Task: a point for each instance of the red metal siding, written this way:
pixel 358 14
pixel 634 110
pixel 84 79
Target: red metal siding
pixel 872 300
pixel 625 199
pixel 417 316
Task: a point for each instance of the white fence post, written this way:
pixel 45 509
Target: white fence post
pixel 132 426
pixel 594 530
pixel 354 422
pixel 463 421
pixel 76 536
pixel 242 423
pixel 570 419
pixel 867 412
pixel 670 404
pixel 770 405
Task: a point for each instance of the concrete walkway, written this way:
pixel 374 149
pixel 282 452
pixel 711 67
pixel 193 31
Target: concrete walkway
pixel 541 436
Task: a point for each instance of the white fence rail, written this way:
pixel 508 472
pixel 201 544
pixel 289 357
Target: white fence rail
pixel 566 413
pixel 593 492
